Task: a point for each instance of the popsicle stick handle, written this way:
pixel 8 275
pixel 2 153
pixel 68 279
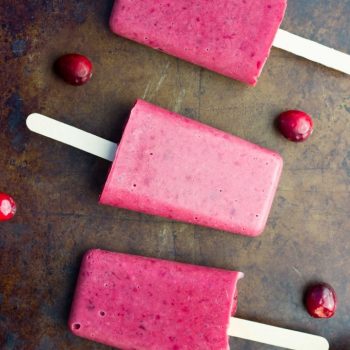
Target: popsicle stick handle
pixel 279 337
pixel 312 51
pixel 71 136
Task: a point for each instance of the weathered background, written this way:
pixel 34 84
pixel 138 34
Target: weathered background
pixel 308 235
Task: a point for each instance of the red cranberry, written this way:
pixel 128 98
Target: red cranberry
pixel 321 301
pixel 75 69
pixel 295 125
pixel 7 207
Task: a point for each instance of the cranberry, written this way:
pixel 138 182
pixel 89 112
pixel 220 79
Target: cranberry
pixel 75 69
pixel 7 207
pixel 321 301
pixel 295 125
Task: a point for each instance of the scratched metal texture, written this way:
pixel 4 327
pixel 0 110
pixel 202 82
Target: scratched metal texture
pixel 57 187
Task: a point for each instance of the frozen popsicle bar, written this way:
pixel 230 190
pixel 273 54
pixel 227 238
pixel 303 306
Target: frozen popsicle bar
pixel 133 302
pixel 175 167
pixel 230 37
pixel 178 168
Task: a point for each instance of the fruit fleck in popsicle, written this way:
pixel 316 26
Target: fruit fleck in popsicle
pixel 230 37
pixel 178 168
pixel 133 302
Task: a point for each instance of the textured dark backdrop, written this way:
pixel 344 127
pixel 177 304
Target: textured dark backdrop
pixel 57 187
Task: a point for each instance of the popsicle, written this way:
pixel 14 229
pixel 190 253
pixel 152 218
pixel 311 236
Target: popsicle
pixel 175 167
pixel 230 37
pixel 133 302
pixel 178 168
pixel 152 304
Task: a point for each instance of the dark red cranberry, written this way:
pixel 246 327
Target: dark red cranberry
pixel 7 207
pixel 73 68
pixel 295 125
pixel 321 301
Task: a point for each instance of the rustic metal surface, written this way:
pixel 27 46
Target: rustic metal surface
pixel 57 187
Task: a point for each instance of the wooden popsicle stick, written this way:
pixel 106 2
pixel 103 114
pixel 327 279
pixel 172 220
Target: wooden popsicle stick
pixel 275 336
pixel 72 136
pixel 312 51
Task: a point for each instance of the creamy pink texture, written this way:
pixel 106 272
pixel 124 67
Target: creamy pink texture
pixel 175 167
pixel 230 37
pixel 133 302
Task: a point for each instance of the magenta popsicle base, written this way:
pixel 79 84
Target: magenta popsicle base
pixel 230 37
pixel 178 168
pixel 133 302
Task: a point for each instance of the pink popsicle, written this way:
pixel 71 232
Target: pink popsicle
pixel 230 37
pixel 178 168
pixel 133 302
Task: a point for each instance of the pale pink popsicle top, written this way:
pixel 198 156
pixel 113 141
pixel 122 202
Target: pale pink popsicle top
pixel 178 168
pixel 230 37
pixel 133 302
